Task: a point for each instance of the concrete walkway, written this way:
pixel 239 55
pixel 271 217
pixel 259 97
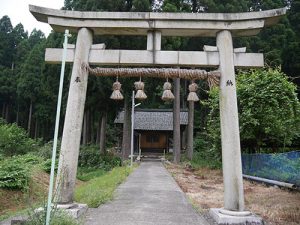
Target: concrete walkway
pixel 150 196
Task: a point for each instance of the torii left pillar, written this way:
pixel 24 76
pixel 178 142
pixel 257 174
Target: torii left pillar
pixel 70 145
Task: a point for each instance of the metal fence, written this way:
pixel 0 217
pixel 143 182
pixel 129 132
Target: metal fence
pixel 283 167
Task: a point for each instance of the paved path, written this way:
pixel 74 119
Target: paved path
pixel 150 196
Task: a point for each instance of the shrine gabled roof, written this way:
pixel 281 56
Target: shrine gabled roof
pixel 169 24
pixel 154 119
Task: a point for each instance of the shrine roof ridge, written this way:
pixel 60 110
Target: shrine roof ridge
pixel 170 24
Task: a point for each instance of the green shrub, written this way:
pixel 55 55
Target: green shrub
pixel 13 174
pixel 2 157
pixel 200 160
pixel 207 143
pixel 2 121
pixel 90 157
pixel 28 159
pixel 46 166
pixel 268 113
pixel 14 140
pixel 15 171
pixel 268 109
pixel 45 151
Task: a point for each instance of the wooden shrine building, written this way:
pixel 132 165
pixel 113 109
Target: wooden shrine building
pixel 153 129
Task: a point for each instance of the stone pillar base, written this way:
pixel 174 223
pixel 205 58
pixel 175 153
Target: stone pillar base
pixel 221 217
pixel 75 210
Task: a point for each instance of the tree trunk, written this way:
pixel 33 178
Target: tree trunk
pixel 36 129
pixel 84 129
pixel 45 130
pixel 3 110
pixel 29 118
pixel 190 131
pixel 103 133
pixel 92 136
pixel 126 131
pixel 98 131
pixel 7 113
pixel 183 137
pixel 176 121
pixel 17 118
pixel 88 127
pixel 183 97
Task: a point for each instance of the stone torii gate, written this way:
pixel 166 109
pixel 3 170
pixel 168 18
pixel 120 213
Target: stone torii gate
pixel 223 26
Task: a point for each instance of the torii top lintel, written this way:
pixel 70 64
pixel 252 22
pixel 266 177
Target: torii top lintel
pixel 169 24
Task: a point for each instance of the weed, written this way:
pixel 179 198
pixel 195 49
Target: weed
pixel 200 161
pixel 58 217
pixel 100 190
pixel 86 174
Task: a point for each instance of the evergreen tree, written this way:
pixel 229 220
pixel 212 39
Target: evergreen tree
pixel 6 42
pixel 22 68
pixel 291 53
pixel 29 82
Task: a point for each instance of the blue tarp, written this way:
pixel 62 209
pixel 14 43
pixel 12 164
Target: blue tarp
pixel 283 167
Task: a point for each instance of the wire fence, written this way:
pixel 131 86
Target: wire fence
pixel 283 167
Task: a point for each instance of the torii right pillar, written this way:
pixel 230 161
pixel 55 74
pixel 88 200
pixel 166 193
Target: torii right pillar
pixel 233 211
pixel 230 135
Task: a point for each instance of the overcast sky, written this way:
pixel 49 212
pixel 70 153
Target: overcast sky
pixel 18 12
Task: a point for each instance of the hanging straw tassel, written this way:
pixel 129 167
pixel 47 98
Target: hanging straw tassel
pixel 117 95
pixel 139 87
pixel 193 95
pixel 167 94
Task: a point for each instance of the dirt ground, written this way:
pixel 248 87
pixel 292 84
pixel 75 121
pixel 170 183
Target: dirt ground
pixel 15 200
pixel 204 187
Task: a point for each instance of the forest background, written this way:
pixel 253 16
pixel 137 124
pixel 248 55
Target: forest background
pixel 29 86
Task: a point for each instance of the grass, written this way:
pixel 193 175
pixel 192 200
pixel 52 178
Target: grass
pixel 100 189
pixel 199 161
pixel 86 174
pixel 58 217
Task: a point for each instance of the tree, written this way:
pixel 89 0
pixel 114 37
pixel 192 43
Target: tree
pixel 225 6
pixel 268 113
pixel 176 122
pixel 291 53
pixel 103 133
pixel 6 42
pixel 5 25
pixel 126 145
pixel 10 39
pixel 280 44
pixel 14 140
pixel 269 109
pixel 190 131
pixel 7 91
pixel 141 5
pixel 29 82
